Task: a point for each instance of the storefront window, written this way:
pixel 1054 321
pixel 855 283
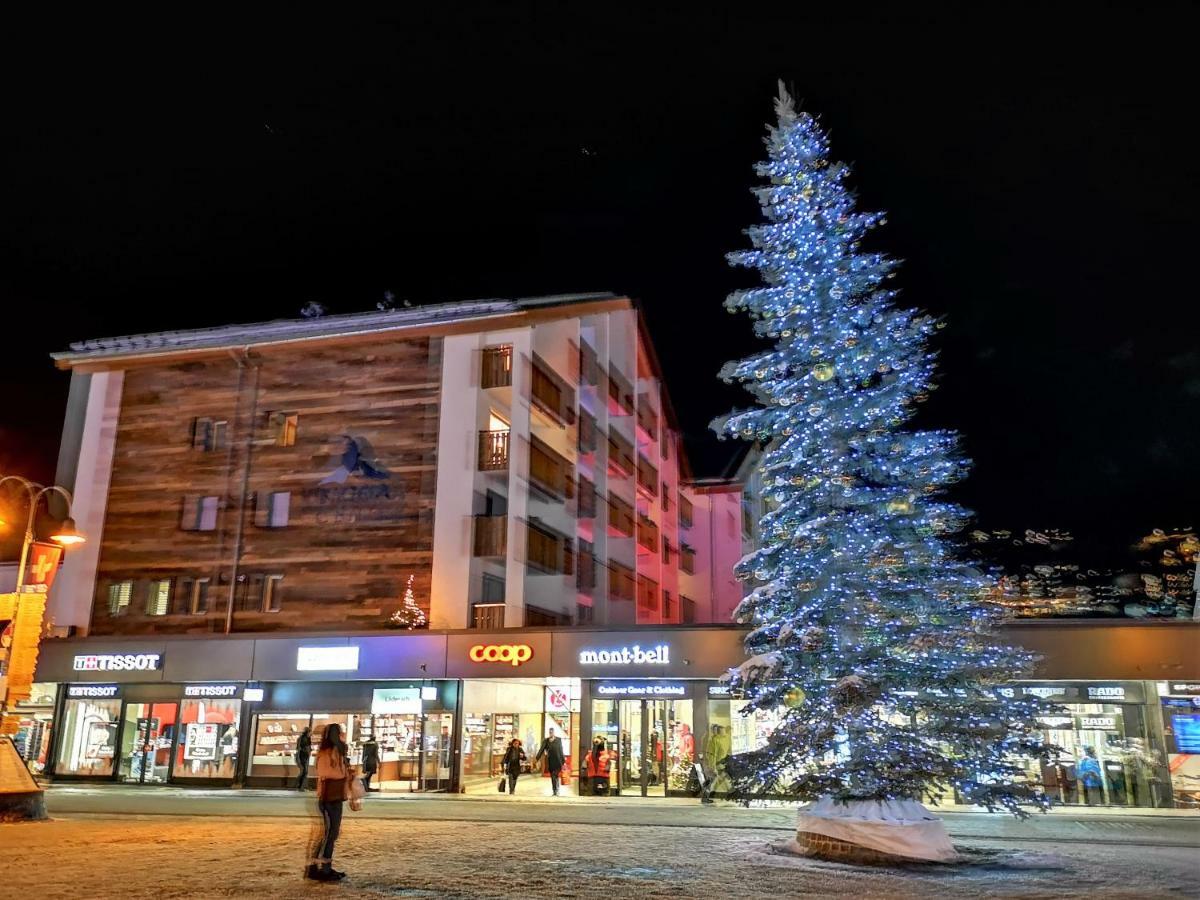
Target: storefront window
pixel 88 743
pixel 146 739
pixel 274 749
pixel 208 741
pixel 34 726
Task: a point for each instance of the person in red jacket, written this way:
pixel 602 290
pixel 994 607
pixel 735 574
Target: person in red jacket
pixel 599 764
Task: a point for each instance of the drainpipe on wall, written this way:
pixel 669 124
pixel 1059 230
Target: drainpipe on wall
pixel 241 507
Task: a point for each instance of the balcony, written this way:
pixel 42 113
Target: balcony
pixel 491 536
pixel 620 455
pixel 588 437
pixel 685 512
pixel 497 367
pixel 621 583
pixel 687 559
pixel 647 477
pixel 547 551
pixel 647 597
pixel 585 572
pixel 549 473
pixel 493 451
pixel 620 517
pixel 586 501
pixel 620 395
pixel 589 367
pixel 647 419
pixel 647 534
pixel 551 394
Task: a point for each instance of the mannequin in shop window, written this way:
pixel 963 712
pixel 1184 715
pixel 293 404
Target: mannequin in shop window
pixel 1090 776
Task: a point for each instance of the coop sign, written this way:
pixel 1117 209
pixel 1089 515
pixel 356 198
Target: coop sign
pixel 118 662
pixel 513 654
pixel 627 656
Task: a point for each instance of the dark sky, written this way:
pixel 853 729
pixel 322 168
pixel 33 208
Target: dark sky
pixel 1039 172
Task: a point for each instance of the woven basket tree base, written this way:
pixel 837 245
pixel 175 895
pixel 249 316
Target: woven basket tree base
pixel 822 846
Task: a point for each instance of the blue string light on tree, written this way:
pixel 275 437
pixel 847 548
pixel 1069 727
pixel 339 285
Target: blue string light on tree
pixel 868 633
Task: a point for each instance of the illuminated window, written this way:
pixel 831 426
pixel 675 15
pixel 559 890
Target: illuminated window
pixel 271 595
pixel 199 513
pixel 208 435
pixel 158 598
pixel 283 426
pixel 119 595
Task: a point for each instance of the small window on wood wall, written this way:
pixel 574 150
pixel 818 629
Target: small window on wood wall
pixel 199 513
pixel 208 435
pixel 272 508
pixel 283 428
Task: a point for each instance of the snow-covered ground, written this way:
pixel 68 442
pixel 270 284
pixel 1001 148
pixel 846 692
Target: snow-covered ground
pixel 132 857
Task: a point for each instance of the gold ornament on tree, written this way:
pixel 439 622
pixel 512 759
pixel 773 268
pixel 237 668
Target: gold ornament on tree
pixel 822 371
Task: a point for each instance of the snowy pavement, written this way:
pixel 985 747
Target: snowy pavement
pixel 167 856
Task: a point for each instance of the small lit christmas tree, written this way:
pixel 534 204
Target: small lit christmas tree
pixel 867 630
pixel 409 616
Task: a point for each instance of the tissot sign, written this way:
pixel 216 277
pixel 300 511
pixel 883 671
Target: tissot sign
pixel 117 662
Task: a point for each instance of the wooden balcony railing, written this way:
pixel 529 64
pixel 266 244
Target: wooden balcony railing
pixel 497 367
pixel 685 512
pixel 687 559
pixel 585 571
pixel 491 536
pixel 647 418
pixel 588 433
pixel 621 583
pixel 551 394
pixel 647 476
pixel 620 516
pixel 586 501
pixel 548 551
pixel 620 454
pixel 647 594
pixel 647 534
pixel 549 472
pixel 493 450
pixel 620 395
pixel 589 367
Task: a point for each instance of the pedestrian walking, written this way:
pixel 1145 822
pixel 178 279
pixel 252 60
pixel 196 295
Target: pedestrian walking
pixel 716 751
pixel 552 749
pixel 303 752
pixel 334 773
pixel 370 762
pixel 514 758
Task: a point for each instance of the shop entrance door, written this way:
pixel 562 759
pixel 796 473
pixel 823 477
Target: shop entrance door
pixel 642 752
pixel 147 737
pixel 437 742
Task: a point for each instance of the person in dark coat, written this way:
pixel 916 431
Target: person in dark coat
pixel 370 762
pixel 303 752
pixel 514 758
pixel 552 749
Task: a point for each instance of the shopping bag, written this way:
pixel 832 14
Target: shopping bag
pixel 356 793
pixel 503 785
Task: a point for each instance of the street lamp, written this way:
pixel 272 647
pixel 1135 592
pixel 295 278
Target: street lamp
pixel 66 535
pixel 20 796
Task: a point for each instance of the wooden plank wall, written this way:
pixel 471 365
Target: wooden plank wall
pixel 349 547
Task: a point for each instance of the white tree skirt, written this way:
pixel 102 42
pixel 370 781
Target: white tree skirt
pixel 900 827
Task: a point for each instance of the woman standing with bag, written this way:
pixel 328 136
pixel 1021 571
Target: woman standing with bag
pixel 334 775
pixel 514 758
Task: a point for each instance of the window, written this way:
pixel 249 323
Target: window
pixel 584 615
pixel 666 497
pixel 488 616
pixel 271 591
pixel 685 512
pixel 667 612
pixel 687 559
pixel 208 435
pixel 647 593
pixel 283 427
pixel 689 610
pixel 666 550
pixel 195 592
pixel 271 508
pixel 119 595
pixel 199 513
pixel 493 590
pixel 158 598
pixel 497 367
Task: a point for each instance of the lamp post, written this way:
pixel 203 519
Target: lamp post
pixel 20 795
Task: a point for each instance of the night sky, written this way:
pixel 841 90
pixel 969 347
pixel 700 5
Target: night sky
pixel 1039 172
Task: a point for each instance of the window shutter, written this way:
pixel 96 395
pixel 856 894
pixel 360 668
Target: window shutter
pixel 189 518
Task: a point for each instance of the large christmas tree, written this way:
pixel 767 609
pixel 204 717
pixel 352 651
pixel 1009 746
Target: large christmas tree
pixel 867 630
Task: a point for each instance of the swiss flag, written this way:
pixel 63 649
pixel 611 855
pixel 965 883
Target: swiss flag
pixel 42 565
